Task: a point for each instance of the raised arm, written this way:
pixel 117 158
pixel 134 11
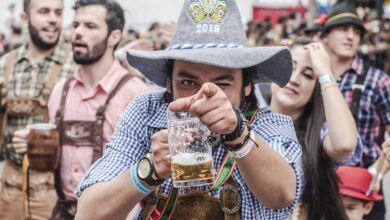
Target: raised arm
pixel 342 137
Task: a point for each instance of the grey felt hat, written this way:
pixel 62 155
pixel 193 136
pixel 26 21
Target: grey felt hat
pixel 211 32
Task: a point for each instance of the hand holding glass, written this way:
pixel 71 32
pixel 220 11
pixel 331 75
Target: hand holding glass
pixel 191 154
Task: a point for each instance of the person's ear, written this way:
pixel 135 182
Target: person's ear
pixel 25 19
pixel 367 208
pixel 114 38
pixel 168 87
pixel 248 89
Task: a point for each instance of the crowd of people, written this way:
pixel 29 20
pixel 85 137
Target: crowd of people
pixel 301 112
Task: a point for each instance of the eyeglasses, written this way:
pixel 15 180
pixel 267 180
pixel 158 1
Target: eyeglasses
pixel 386 31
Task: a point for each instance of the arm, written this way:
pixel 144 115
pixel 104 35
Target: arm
pixel 386 154
pixel 342 137
pixel 107 191
pixel 102 200
pixel 269 177
pixel 373 169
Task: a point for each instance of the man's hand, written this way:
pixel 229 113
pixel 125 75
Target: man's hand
pixel 160 154
pixel 19 140
pixel 211 105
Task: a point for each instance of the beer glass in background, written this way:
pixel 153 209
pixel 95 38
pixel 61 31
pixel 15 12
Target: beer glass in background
pixel 43 147
pixel 191 154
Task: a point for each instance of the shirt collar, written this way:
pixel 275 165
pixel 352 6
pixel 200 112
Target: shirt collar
pixel 58 55
pixel 110 79
pixel 158 119
pixel 357 65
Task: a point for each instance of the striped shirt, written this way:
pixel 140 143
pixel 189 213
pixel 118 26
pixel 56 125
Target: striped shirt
pixel 374 110
pixel 147 114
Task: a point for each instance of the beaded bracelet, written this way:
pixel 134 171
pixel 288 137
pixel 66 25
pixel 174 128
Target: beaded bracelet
pixel 137 183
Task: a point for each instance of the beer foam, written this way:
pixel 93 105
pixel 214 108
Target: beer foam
pixel 191 159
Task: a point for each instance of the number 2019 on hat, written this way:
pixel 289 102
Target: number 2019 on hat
pixel 203 28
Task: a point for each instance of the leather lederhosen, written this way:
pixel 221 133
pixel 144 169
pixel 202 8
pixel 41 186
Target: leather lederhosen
pixel 199 205
pixel 81 133
pixel 23 106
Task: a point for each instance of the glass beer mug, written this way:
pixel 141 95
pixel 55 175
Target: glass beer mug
pixel 43 147
pixel 191 153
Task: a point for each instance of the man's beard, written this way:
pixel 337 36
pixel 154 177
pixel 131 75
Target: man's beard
pixel 38 41
pixel 92 56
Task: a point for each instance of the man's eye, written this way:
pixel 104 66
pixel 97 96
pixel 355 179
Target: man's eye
pixel 188 83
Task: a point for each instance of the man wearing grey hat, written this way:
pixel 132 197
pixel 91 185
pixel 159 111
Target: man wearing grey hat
pixel 208 71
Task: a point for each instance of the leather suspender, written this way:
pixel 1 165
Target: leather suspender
pixel 357 91
pixel 98 126
pixel 100 117
pixel 3 96
pixel 58 121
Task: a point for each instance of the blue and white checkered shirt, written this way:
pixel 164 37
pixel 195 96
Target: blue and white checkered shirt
pixel 147 114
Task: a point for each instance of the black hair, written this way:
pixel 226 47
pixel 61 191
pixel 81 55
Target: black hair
pixel 26 6
pixel 325 31
pixel 320 195
pixel 115 17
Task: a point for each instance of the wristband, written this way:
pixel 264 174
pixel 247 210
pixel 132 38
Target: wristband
pixel 246 148
pixel 137 183
pixel 327 78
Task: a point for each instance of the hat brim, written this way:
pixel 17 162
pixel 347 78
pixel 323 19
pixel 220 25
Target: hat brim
pixel 343 21
pixel 313 28
pixel 351 193
pixel 272 64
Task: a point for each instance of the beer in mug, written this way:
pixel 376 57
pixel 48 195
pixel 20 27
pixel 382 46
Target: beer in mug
pixel 43 147
pixel 191 158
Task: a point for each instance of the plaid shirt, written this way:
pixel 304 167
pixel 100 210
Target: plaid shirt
pixel 374 111
pixel 28 81
pixel 147 115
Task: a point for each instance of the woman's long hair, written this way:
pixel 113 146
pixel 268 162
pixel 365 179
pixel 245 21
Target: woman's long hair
pixel 320 196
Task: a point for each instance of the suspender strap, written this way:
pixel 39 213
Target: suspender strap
pixel 58 121
pixel 46 91
pixel 61 108
pixel 100 118
pixel 9 67
pixel 357 91
pixel 52 78
pixel 49 84
pixel 98 131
